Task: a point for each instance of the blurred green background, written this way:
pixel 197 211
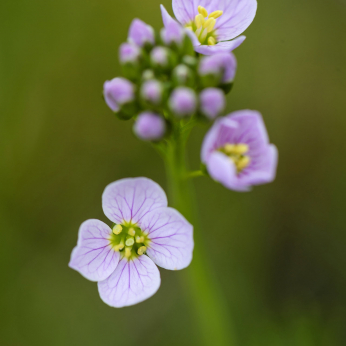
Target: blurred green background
pixel 277 252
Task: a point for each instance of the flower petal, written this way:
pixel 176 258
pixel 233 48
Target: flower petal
pixel 171 238
pixel 184 10
pixel 222 169
pixel 166 17
pixel 93 256
pixel 236 18
pixel 220 47
pixel 132 198
pixel 132 282
pixel 141 33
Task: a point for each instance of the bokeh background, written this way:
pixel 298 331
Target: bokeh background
pixel 277 252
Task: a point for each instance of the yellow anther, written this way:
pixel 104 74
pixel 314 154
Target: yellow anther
pixel 128 252
pixel 209 24
pixel 189 27
pixel 243 163
pixel 216 14
pixel 130 241
pixel 132 232
pixel 241 149
pixel 139 239
pixel 117 229
pixel 141 250
pixel 229 148
pixel 119 247
pixel 211 41
pixel 202 11
pixel 199 20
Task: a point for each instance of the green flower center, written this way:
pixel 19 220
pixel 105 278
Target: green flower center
pixel 237 154
pixel 129 240
pixel 204 26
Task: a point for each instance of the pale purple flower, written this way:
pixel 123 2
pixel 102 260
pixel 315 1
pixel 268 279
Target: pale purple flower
pixel 141 33
pixel 237 152
pixel 214 24
pixel 159 56
pixel 224 64
pixel 212 102
pixel 152 91
pixel 183 101
pixel 149 126
pixel 117 92
pixel 129 52
pixel 122 260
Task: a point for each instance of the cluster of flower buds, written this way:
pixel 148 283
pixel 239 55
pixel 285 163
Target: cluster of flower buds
pixel 165 81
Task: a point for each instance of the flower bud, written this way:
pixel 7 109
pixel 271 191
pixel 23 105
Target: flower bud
pixel 173 34
pixel 149 126
pixel 212 102
pixel 183 102
pixel 141 34
pixel 118 92
pixel 162 58
pixel 147 75
pixel 152 92
pixel 217 69
pixel 129 53
pixel 183 75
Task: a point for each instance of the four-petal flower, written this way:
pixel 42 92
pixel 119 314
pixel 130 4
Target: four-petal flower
pixel 122 258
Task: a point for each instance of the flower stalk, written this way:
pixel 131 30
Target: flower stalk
pixel 204 293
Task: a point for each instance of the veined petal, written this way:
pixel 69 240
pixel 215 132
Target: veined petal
pixel 131 199
pixel 220 47
pixel 166 17
pixel 132 282
pixel 184 10
pixel 93 256
pixel 171 238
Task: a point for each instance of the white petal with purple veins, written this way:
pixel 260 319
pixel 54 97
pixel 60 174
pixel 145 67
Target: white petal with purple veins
pixel 93 256
pixel 171 238
pixel 131 199
pixel 132 282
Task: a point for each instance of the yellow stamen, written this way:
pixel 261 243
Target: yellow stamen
pixel 128 252
pixel 241 149
pixel 189 28
pixel 211 41
pixel 132 232
pixel 141 250
pixel 216 14
pixel 229 148
pixel 203 35
pixel 119 247
pixel 209 24
pixel 199 20
pixel 202 11
pixel 117 229
pixel 139 239
pixel 243 163
pixel 130 241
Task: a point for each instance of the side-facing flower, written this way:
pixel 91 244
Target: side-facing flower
pixel 214 24
pixel 121 259
pixel 149 126
pixel 237 152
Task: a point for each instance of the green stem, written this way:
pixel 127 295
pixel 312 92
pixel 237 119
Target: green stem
pixel 205 295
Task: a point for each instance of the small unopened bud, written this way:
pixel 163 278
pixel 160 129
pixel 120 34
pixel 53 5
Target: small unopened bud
pixel 149 126
pixel 152 92
pixel 129 53
pixel 183 102
pixel 173 34
pixel 212 102
pixel 183 75
pixel 141 34
pixel 118 92
pixel 162 58
pixel 147 75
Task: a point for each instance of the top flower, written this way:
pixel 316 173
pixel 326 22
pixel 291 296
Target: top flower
pixel 213 22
